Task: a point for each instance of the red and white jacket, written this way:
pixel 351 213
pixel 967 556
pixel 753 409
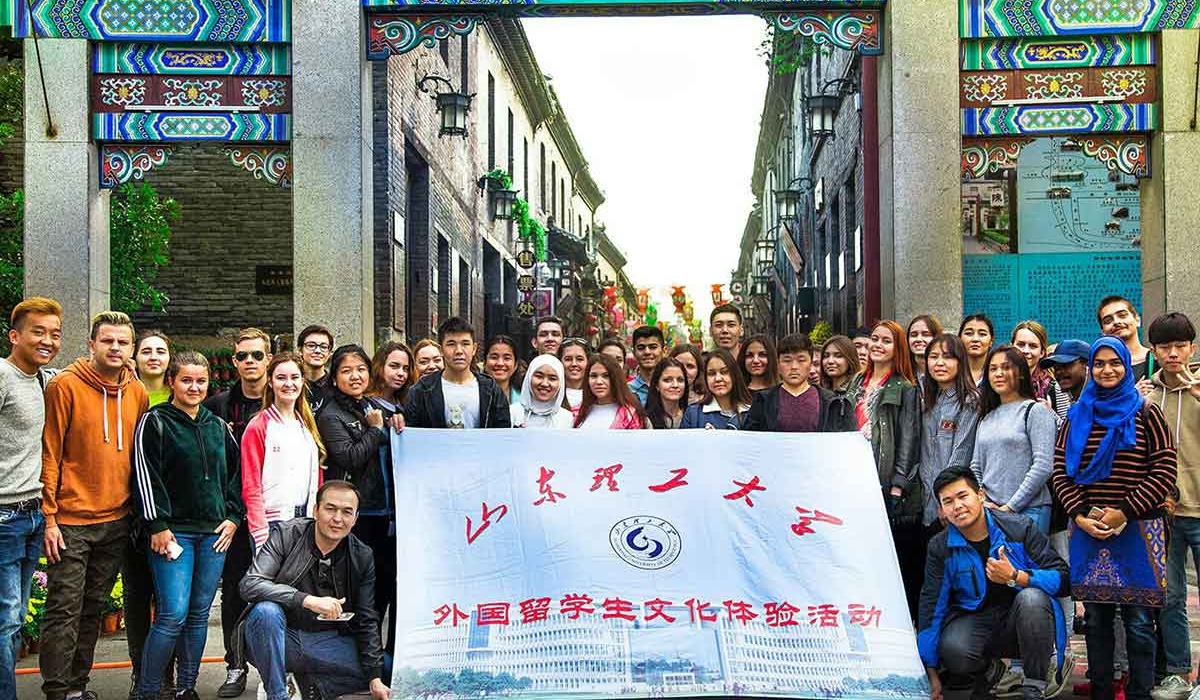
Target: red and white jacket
pixel 280 471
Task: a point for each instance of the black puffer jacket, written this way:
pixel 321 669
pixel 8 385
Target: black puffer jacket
pixel 837 415
pixel 284 559
pixel 357 452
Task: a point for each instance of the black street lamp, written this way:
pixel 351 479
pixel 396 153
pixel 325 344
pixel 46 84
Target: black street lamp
pixel 823 107
pixel 452 105
pixel 789 199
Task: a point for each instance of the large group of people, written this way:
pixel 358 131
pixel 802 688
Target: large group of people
pixel 1020 480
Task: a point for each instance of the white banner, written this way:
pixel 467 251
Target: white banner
pixel 646 563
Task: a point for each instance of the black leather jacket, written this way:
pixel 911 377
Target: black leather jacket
pixel 284 559
pixel 896 439
pixel 359 454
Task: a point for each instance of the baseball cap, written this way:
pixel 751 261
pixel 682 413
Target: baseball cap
pixel 1068 351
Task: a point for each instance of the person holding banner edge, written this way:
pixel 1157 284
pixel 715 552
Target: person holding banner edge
pixel 990 581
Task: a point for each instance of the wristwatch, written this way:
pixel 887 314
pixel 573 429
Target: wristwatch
pixel 1012 582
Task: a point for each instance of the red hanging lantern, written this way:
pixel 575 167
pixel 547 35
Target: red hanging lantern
pixel 589 318
pixel 592 330
pixel 717 296
pixel 610 297
pixel 643 298
pixel 678 298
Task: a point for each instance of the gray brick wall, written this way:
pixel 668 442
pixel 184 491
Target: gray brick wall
pixel 230 222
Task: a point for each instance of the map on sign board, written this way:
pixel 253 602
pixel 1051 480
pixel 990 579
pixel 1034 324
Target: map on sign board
pixel 1070 202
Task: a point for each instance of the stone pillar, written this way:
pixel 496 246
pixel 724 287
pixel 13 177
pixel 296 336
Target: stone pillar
pixel 66 212
pixel 332 166
pixel 919 145
pixel 1170 210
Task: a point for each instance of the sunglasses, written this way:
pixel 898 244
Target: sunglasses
pixel 258 355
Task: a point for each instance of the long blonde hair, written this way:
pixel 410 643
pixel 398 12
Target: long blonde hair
pixel 303 410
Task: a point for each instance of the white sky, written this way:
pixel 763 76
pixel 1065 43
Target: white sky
pixel 666 112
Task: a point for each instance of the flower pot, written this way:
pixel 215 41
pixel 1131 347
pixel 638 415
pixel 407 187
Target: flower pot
pixel 109 623
pixel 33 646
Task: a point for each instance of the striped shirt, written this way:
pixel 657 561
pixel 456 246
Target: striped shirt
pixel 1142 477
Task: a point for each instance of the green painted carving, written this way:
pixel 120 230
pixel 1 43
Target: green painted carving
pixel 1059 52
pixel 1012 18
pixel 191 59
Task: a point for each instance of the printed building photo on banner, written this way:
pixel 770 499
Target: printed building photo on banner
pixel 605 566
pixel 1045 222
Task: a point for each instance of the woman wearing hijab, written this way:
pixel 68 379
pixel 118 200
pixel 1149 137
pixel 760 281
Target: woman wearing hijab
pixel 1114 466
pixel 541 399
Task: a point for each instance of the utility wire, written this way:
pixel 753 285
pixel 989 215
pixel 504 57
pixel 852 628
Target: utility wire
pixel 51 130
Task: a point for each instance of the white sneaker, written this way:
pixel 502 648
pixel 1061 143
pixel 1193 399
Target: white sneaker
pixel 292 689
pixel 1173 687
pixel 1009 684
pixel 1195 693
pixel 1053 686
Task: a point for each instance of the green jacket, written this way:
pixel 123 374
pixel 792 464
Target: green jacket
pixel 895 414
pixel 186 473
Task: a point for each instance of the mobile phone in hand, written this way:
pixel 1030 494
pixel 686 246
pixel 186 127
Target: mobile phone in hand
pixel 343 617
pixel 1096 513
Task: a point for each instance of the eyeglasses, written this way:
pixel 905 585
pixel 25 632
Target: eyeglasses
pixel 258 355
pixel 316 347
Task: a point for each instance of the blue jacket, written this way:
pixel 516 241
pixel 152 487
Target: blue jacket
pixel 956 583
pixel 704 415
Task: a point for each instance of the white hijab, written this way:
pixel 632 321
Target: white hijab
pixel 544 414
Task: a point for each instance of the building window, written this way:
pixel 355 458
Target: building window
pixel 442 281
pixel 524 167
pixel 542 178
pixel 444 50
pixel 512 153
pixel 553 189
pixel 850 203
pixel 491 118
pixel 464 288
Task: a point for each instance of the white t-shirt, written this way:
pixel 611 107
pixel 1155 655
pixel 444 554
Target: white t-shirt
pixel 601 417
pixel 574 397
pixel 462 403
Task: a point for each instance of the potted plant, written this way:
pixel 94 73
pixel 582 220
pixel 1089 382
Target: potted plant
pixel 113 608
pixel 31 630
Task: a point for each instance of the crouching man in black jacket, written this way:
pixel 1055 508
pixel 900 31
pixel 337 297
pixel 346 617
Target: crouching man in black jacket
pixel 310 572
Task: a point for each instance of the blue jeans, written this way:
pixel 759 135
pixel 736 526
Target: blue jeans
pixel 325 658
pixel 20 546
pixel 1184 540
pixel 183 591
pixel 1140 644
pixel 1040 515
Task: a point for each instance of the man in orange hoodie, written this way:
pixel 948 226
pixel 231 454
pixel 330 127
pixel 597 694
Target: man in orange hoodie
pixel 92 408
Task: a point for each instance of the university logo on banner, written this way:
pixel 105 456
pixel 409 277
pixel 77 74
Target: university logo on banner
pixel 627 564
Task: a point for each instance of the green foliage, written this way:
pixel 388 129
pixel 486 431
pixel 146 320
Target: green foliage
pixel 527 226
pixel 12 254
pixel 12 98
pixel 821 332
pixel 788 52
pixel 140 232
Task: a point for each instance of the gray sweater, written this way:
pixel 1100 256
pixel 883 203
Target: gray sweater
pixel 1014 453
pixel 22 417
pixel 947 440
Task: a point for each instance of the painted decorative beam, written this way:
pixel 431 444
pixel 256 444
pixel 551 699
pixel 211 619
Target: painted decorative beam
pixel 159 20
pixel 191 59
pixel 121 163
pixel 397 34
pixel 1047 120
pixel 980 19
pixel 572 7
pixel 1071 52
pixel 1124 153
pixel 118 93
pixel 191 126
pixel 267 163
pixel 1134 84
pixel 851 30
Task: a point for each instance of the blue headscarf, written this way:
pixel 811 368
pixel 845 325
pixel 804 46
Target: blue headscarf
pixel 1114 409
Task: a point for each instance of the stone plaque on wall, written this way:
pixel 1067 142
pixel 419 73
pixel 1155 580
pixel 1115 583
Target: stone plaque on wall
pixel 273 280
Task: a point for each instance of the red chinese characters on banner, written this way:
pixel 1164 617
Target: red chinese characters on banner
pixel 534 609
pixel 451 613
pixel 549 495
pixel 862 615
pixel 491 614
pixel 823 615
pixel 696 608
pixel 740 611
pixel 673 483
pixel 808 517
pixel 486 520
pixel 618 608
pixel 781 614
pixel 656 609
pixel 606 476
pixel 574 604
pixel 746 489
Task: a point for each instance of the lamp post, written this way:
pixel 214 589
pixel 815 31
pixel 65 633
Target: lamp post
pixel 823 107
pixel 788 199
pixel 453 105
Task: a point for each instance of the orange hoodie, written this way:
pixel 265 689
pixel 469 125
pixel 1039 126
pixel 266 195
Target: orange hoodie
pixel 87 443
